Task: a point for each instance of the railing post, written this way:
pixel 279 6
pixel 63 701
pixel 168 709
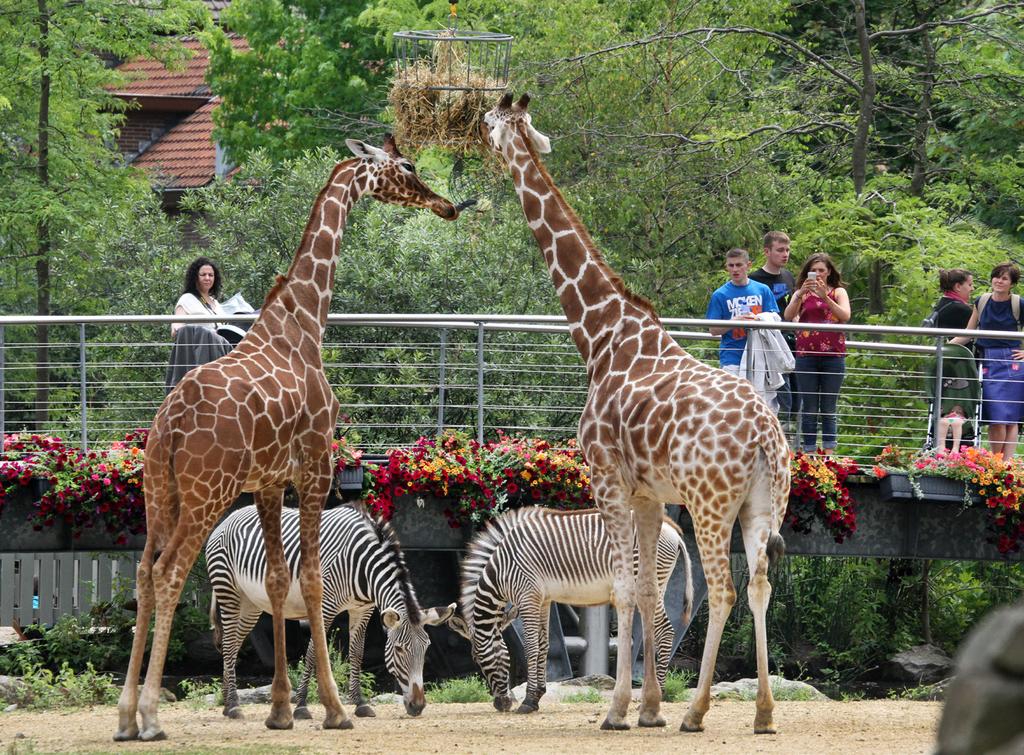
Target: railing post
pixel 595 632
pixel 441 359
pixel 3 364
pixel 81 380
pixel 480 382
pixel 937 412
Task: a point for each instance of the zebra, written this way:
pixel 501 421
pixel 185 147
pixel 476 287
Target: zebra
pixel 362 567
pixel 532 556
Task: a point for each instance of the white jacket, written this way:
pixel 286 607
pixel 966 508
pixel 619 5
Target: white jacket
pixel 765 358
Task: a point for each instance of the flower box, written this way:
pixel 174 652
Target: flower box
pixel 349 479
pixel 97 540
pixel 17 531
pixel 895 486
pixel 420 523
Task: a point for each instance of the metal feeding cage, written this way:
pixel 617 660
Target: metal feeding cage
pixel 445 80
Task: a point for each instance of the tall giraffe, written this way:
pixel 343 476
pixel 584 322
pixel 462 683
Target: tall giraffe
pixel 253 421
pixel 659 426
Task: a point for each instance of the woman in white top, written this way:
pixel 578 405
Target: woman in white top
pixel 202 287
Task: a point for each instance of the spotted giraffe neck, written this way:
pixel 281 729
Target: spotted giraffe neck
pixel 592 295
pixel 303 294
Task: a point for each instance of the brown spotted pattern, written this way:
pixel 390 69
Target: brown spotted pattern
pixel 253 421
pixel 659 426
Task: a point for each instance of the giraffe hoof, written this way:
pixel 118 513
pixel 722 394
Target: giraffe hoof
pixel 345 723
pixel 684 726
pixel 609 725
pixel 765 729
pixel 302 714
pixel 153 735
pixel 235 713
pixel 126 735
pixel 526 707
pixel 281 724
pixel 651 722
pixel 365 711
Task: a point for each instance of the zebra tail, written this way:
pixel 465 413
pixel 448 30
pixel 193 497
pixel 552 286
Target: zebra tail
pixel 688 582
pixel 216 624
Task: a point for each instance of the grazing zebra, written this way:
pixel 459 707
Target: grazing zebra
pixel 532 556
pixel 362 567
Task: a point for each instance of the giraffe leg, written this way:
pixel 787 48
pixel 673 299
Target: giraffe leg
pixel 127 705
pixel 358 619
pixel 615 514
pixel 238 621
pixel 756 525
pixel 647 516
pixel 278 579
pixel 301 712
pixel 721 597
pixel 312 498
pixel 168 577
pixel 534 614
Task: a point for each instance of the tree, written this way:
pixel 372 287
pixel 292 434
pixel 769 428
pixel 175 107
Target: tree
pixel 304 58
pixel 59 162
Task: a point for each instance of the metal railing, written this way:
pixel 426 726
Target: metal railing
pixel 401 376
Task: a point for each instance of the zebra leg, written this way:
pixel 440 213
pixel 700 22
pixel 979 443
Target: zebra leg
pixel 237 621
pixel 535 616
pixel 278 579
pixel 358 619
pixel 648 516
pixel 301 712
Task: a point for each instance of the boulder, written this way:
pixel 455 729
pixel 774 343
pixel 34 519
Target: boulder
pixel 247 696
pixel 597 681
pixel 983 705
pixel 921 664
pixel 746 689
pixel 13 689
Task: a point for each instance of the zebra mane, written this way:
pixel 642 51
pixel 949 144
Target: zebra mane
pixel 478 554
pixel 393 552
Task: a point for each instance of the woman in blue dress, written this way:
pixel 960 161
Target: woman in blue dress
pixel 1002 360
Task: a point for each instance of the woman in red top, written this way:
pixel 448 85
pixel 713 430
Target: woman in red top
pixel 820 355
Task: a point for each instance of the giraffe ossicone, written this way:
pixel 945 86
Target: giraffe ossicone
pixel 255 420
pixel 659 426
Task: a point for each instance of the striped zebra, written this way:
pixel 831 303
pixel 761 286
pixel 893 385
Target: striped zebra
pixel 532 556
pixel 362 566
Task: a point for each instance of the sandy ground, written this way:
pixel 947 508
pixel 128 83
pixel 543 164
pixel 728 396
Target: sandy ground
pixel 875 726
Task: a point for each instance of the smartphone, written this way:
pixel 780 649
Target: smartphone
pixel 812 275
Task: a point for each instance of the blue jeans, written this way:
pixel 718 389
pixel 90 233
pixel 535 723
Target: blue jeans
pixel 819 379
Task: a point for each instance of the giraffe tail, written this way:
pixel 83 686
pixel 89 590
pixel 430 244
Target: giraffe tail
pixel 775 457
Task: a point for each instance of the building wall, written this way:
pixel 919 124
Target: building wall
pixel 141 129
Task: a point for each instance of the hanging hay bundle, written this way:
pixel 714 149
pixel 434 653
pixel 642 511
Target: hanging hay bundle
pixel 445 81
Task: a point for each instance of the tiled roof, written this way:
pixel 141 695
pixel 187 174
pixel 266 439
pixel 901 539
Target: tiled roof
pixel 149 77
pixel 216 6
pixel 184 157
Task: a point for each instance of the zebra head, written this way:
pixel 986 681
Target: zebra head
pixel 406 649
pixel 490 651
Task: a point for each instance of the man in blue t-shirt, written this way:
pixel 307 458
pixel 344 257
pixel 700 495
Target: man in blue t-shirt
pixel 738 299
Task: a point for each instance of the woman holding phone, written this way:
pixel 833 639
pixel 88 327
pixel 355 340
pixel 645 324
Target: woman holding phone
pixel 820 355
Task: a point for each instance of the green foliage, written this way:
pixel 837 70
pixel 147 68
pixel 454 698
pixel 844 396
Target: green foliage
pixel 588 695
pixel 307 59
pixel 339 667
pixel 469 689
pixel 677 686
pixel 197 691
pixel 45 690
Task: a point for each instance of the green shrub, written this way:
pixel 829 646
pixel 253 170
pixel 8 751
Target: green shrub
pixel 45 690
pixel 677 686
pixel 587 695
pixel 339 667
pixel 197 691
pixel 469 689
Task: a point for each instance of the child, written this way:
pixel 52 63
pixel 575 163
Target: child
pixel 952 423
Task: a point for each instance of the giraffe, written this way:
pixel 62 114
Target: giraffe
pixel 658 426
pixel 252 421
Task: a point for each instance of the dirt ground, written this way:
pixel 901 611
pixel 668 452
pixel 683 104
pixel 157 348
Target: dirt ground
pixel 804 727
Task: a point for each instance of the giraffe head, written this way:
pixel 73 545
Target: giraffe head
pixel 392 178
pixel 505 121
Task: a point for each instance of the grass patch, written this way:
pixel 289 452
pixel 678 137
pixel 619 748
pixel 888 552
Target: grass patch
pixel 780 692
pixel 196 693
pixel 589 695
pixel 924 692
pixel 339 667
pixel 41 689
pixel 677 686
pixel 468 689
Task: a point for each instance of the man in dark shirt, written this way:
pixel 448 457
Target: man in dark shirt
pixel 782 283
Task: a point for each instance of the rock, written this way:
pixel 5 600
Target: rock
pixel 13 689
pixel 166 696
pixel 387 698
pixel 984 701
pixel 597 681
pixel 921 664
pixel 786 689
pixel 559 691
pixel 202 652
pixel 11 708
